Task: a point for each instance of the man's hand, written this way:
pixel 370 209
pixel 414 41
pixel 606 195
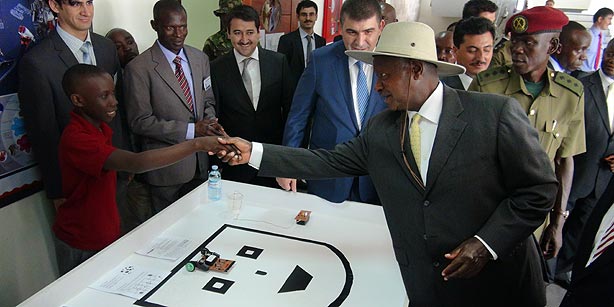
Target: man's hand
pixel 244 147
pixel 610 161
pixel 209 127
pixel 551 241
pixel 468 259
pixel 287 183
pixel 58 202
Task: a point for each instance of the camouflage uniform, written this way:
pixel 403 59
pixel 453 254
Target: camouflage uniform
pixel 218 44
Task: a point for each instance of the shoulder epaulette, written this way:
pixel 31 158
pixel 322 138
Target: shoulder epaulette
pixel 493 74
pixel 569 83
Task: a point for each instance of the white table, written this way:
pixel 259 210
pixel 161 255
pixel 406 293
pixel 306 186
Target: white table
pixel 358 231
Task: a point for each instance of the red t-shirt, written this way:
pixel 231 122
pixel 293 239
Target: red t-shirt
pixel 89 219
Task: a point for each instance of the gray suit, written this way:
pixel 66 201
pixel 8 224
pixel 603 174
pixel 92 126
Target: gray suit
pixel 158 113
pixel 487 176
pixel 44 105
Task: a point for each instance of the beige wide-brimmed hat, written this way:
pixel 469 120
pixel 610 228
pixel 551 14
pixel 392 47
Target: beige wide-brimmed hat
pixel 412 40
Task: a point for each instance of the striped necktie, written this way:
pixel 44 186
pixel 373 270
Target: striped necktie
pixel 606 240
pixel 183 82
pixel 362 93
pixel 309 48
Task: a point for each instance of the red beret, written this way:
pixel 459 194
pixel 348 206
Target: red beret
pixel 539 19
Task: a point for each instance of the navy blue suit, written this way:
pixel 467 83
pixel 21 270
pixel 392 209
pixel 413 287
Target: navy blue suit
pixel 324 93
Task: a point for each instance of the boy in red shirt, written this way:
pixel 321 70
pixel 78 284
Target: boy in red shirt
pixel 89 221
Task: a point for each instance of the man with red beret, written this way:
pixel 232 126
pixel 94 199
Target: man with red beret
pixel 554 102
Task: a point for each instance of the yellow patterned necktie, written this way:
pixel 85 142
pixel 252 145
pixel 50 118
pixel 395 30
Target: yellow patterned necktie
pixel 414 137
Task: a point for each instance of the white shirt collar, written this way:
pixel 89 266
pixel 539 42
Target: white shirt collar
pixel 465 80
pixel 170 56
pixel 72 41
pixel 431 109
pixel 240 57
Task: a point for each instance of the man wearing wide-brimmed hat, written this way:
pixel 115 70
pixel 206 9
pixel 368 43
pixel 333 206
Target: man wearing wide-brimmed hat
pixel 462 178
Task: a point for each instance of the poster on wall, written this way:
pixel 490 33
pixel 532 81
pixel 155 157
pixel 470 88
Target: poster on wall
pixel 332 19
pixel 23 23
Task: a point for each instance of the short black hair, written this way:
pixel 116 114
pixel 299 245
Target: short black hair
pixel 610 44
pixel 360 10
pixel 245 13
pixel 602 12
pixel 472 26
pixel 305 4
pixel 74 76
pixel 568 31
pixel 473 8
pixel 167 5
pixel 452 26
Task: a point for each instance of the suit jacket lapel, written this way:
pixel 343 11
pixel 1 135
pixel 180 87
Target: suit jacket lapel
pixel 166 73
pixel 599 99
pixel 588 237
pixel 197 82
pixel 393 136
pixel 343 76
pixel 449 130
pixel 298 47
pixel 266 77
pixel 63 51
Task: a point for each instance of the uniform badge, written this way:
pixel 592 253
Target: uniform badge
pixel 520 24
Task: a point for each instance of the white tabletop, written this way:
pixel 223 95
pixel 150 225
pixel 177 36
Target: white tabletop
pixel 343 246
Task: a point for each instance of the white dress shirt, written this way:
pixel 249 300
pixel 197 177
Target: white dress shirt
pixel 304 42
pixel 185 66
pixel 254 73
pixel 74 44
pixel 606 82
pixel 368 70
pixel 465 80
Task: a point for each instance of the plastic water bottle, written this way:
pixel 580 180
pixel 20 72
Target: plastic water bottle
pixel 215 184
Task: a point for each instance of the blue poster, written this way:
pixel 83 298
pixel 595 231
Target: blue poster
pixel 23 23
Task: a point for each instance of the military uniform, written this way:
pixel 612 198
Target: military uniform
pixel 217 45
pixel 502 54
pixel 557 112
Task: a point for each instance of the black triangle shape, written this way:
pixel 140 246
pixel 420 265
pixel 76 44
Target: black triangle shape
pixel 298 280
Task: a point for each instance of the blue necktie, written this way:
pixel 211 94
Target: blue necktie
pixel 362 93
pixel 86 53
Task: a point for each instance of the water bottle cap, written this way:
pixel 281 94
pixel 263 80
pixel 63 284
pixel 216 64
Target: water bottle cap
pixel 214 167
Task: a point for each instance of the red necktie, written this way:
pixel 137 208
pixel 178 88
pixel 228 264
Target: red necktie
pixel 183 82
pixel 604 243
pixel 598 53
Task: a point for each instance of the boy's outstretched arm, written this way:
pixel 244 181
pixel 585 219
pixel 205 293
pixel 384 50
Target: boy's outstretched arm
pixel 122 160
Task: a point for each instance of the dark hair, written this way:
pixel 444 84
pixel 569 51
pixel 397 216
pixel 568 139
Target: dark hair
pixel 245 13
pixel 568 30
pixel 610 44
pixel 472 26
pixel 305 4
pixel 167 5
pixel 473 8
pixel 452 26
pixel 602 12
pixel 74 76
pixel 360 10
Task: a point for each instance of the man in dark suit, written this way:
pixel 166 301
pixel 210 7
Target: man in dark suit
pixel 298 45
pixel 575 40
pixel 592 168
pixel 168 100
pixel 337 93
pixel 474 40
pixel 44 105
pixel 253 89
pixel 467 183
pixel 591 281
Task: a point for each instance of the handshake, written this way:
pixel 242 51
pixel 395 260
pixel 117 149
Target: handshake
pixel 212 138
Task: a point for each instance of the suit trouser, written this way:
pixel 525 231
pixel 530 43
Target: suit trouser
pixel 572 232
